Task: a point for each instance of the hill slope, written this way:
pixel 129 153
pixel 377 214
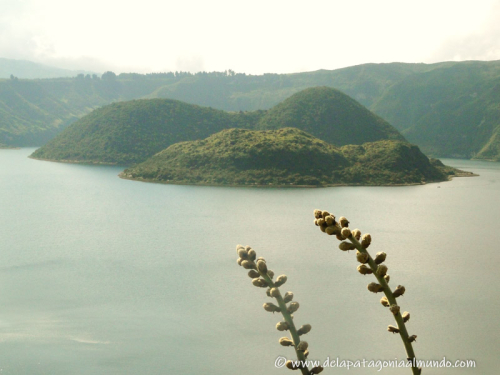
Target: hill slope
pixel 285 157
pixel 452 111
pixel 129 132
pixel 329 115
pixel 33 111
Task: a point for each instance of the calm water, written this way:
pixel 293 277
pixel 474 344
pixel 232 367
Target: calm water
pixel 100 275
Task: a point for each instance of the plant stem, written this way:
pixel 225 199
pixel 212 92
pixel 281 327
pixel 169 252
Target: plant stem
pixel 392 301
pixel 288 318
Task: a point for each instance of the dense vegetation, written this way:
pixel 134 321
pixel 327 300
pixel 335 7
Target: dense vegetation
pixel 329 115
pixel 286 157
pixel 451 111
pixel 129 132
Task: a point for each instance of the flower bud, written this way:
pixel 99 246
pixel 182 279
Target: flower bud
pixel 364 269
pixel 356 233
pixel 302 346
pixel 317 214
pixel 261 283
pixel 285 341
pixel 248 248
pixel 280 280
pixel 253 274
pixel 393 329
pixel 316 370
pixel 270 274
pixel 321 222
pixel 306 328
pixel 384 301
pixel 260 258
pixel 282 326
pixel 375 288
pixel 252 254
pixel 406 316
pixel 399 291
pixel 387 278
pixel 330 220
pixel 344 223
pixel 243 254
pixel 366 240
pixel 325 214
pixel 268 292
pixel 362 257
pixel 346 232
pixel 382 270
pixel 394 309
pixel 239 260
pixel 274 292
pixel 340 237
pixel 249 265
pixel 262 267
pixel 288 297
pixel 271 307
pixel 316 222
pixel 238 247
pixel 332 229
pixel 412 338
pixel 293 365
pixel 344 246
pixel 294 306
pixel 380 257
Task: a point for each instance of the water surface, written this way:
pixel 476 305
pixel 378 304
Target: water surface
pixel 100 275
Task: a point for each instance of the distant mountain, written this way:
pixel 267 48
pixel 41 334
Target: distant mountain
pixel 130 132
pixel 30 70
pixel 286 157
pixel 451 111
pixel 331 116
pixel 33 111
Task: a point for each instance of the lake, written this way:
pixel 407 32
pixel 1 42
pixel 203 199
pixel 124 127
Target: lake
pixel 100 275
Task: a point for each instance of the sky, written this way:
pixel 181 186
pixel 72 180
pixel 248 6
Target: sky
pixel 253 37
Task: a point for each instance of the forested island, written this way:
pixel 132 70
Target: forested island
pixel 317 137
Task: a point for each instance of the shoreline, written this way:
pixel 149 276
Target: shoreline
pixel 151 181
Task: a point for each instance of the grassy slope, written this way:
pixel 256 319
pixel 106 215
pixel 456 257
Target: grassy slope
pixel 33 111
pixel 130 132
pixel 452 111
pixel 285 157
pixel 329 115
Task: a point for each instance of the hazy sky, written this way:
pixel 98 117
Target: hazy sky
pixel 246 36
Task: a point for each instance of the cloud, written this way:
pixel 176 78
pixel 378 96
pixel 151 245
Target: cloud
pixel 480 45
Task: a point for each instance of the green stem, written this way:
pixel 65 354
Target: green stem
pixel 288 318
pixel 392 301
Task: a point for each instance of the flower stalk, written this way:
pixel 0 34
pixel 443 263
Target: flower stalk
pixel 263 277
pixel 369 265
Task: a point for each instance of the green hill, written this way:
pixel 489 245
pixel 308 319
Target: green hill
pixel 452 111
pixel 329 115
pixel 129 132
pixel 286 157
pixel 34 111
